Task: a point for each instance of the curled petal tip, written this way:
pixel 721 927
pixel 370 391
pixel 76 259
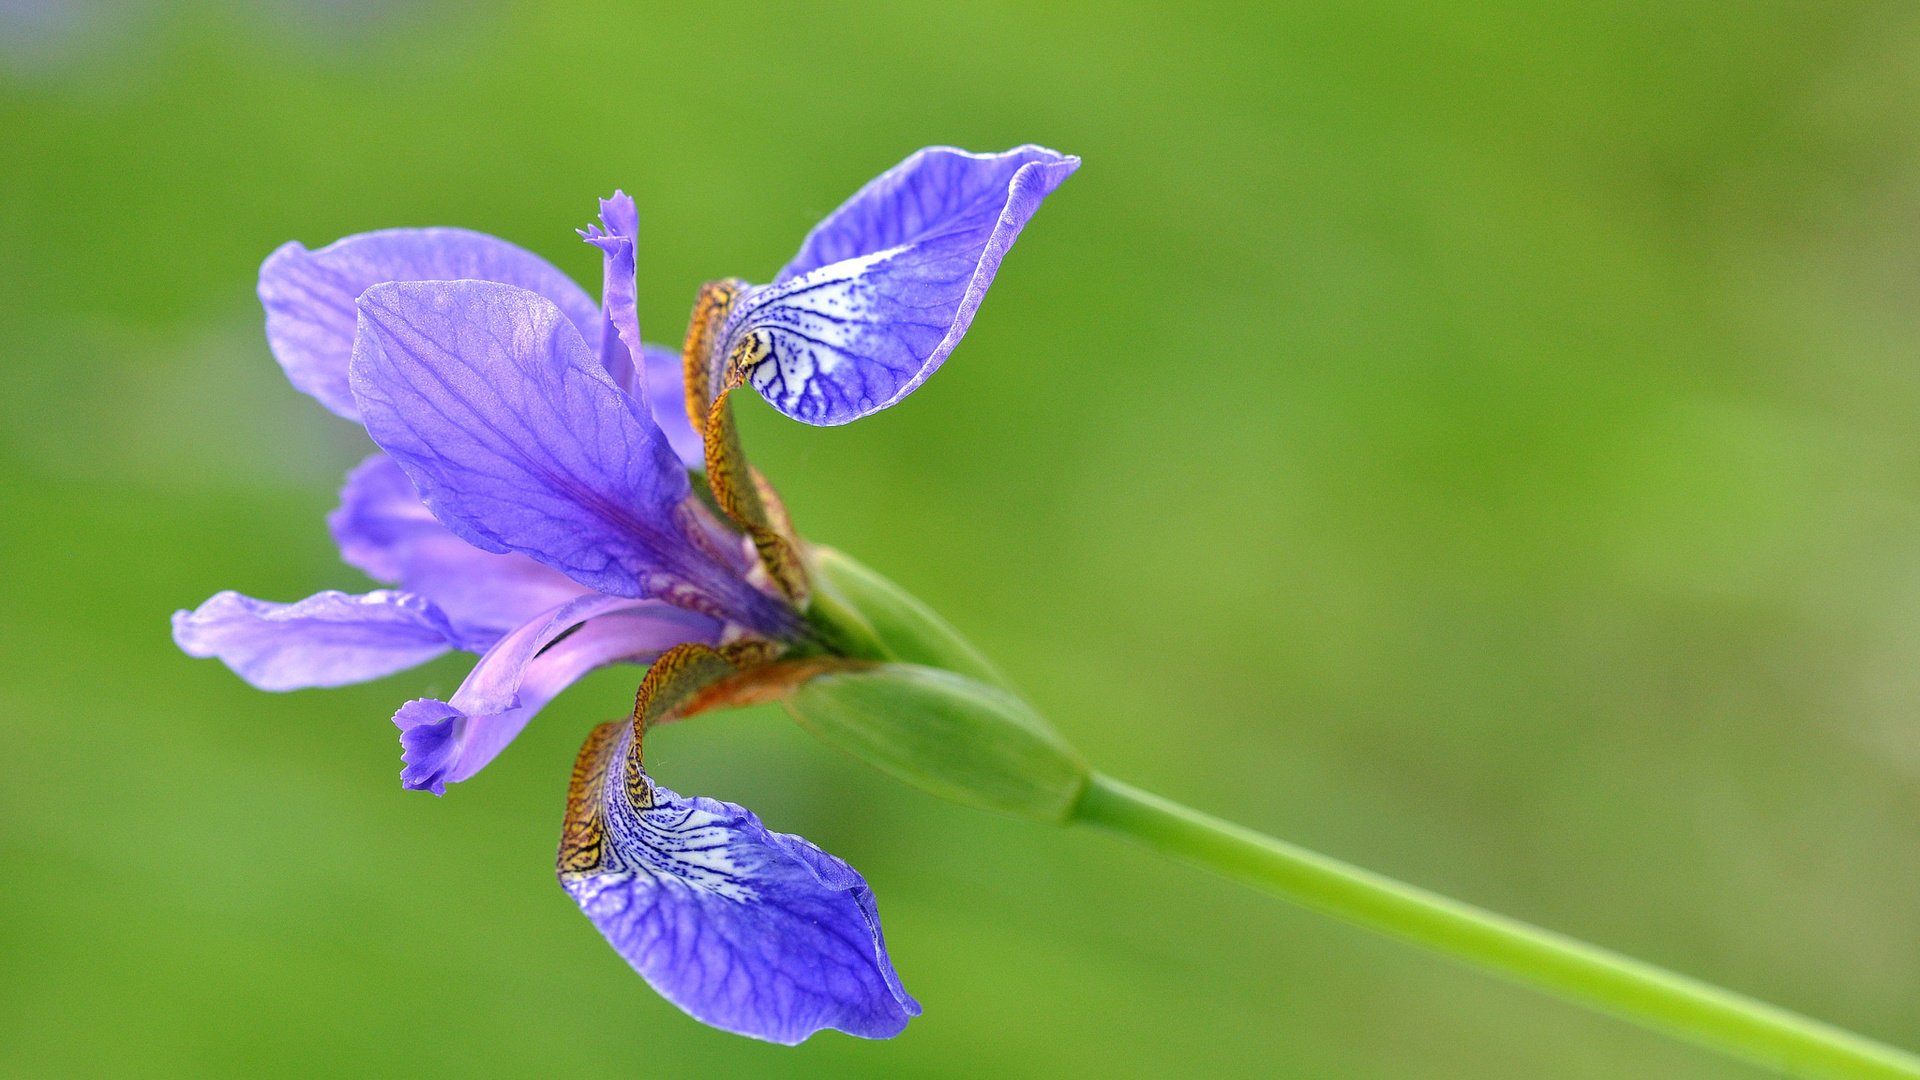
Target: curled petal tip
pixel 608 240
pixel 446 742
pixel 428 744
pixel 619 214
pixel 619 222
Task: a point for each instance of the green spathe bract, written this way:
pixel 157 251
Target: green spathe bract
pixel 956 737
pixel 904 627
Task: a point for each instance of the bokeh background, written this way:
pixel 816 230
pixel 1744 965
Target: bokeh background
pixel 1481 442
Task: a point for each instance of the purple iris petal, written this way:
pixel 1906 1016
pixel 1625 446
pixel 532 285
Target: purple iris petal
pixel 885 287
pixel 513 434
pixel 752 931
pixel 444 742
pixel 666 389
pixel 620 339
pixel 328 639
pixel 309 295
pixel 384 529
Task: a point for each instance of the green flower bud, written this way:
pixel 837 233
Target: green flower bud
pixel 951 735
pixel 905 628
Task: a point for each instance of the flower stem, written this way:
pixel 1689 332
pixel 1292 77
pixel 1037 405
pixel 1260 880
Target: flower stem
pixel 1588 975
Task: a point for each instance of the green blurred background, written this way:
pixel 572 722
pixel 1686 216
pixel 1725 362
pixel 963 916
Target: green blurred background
pixel 1478 442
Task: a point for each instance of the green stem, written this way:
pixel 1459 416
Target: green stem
pixel 1692 1010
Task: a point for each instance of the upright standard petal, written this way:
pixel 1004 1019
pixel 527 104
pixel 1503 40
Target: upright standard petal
pixel 309 295
pixel 444 742
pixel 885 287
pixel 615 236
pixel 328 639
pixel 518 440
pixel 752 931
pixel 384 529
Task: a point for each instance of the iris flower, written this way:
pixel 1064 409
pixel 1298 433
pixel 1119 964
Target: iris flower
pixel 554 495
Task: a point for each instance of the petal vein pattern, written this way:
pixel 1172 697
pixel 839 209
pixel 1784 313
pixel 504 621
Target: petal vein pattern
pixel 884 289
pixel 516 437
pixel 752 931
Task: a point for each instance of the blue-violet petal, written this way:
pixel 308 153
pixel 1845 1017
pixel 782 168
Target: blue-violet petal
pixel 883 289
pixel 309 295
pixel 752 931
pixel 515 436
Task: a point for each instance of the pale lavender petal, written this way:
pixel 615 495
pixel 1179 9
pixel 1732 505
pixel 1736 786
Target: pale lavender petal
pixel 445 742
pixel 666 388
pixel 751 931
pixel 384 529
pixel 884 289
pixel 309 295
pixel 328 639
pixel 615 236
